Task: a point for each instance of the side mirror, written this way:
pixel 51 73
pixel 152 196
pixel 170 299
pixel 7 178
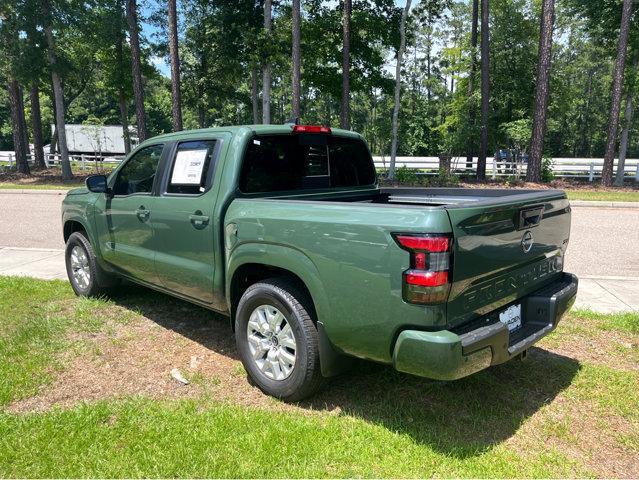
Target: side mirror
pixel 97 184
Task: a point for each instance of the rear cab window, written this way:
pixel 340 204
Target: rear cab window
pixel 283 163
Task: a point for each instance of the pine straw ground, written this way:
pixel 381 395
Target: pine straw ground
pixel 86 390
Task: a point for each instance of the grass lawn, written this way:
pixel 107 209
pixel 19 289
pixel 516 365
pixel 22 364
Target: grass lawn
pixel 85 391
pixel 40 186
pixel 604 195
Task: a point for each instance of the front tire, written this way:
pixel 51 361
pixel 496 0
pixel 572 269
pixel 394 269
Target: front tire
pixel 86 277
pixel 277 340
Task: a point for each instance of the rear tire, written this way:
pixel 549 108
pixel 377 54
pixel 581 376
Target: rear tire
pixel 277 340
pixel 87 278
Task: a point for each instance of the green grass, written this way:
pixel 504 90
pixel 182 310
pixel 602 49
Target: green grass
pixel 41 186
pixel 36 316
pixel 521 419
pixel 182 439
pixel 608 196
pixel 620 322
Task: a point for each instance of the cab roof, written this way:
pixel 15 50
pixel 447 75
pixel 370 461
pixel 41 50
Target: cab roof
pixel 242 129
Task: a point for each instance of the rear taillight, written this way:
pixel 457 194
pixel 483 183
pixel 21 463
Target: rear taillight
pixel 427 280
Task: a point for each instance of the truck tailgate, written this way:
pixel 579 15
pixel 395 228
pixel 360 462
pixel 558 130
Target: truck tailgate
pixel 504 251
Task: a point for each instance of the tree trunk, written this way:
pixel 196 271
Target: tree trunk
pixel 58 93
pixel 623 147
pixel 613 119
pixel 201 115
pixel 138 91
pixel 485 90
pixel 444 164
pixel 628 116
pixel 36 125
pixel 345 113
pixel 585 118
pixel 124 120
pixel 470 146
pixel 201 107
pixel 122 103
pixel 19 147
pixel 296 59
pixel 429 48
pixel 255 95
pixel 266 69
pixel 53 147
pixel 533 173
pixel 398 86
pixel 23 125
pixel 175 67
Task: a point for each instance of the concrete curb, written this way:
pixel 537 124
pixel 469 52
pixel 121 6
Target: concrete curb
pixel 31 191
pixel 603 204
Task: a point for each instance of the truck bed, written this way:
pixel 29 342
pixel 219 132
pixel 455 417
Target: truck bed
pixel 432 197
pixel 348 236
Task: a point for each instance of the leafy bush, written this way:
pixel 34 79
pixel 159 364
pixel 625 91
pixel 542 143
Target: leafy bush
pixel 443 179
pixel 547 174
pixel 405 175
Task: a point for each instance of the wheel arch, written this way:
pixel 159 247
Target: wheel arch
pixel 250 263
pixel 71 226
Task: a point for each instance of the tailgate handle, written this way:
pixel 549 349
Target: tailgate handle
pixel 530 217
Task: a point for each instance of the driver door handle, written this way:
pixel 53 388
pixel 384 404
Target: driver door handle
pixel 199 220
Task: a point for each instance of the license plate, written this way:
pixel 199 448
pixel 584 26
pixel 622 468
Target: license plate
pixel 511 317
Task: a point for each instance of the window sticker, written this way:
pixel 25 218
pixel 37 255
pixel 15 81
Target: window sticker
pixel 188 167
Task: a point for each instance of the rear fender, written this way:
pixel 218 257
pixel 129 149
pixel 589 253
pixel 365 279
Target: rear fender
pixel 285 258
pixel 296 262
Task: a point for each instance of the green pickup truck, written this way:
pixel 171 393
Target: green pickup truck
pixel 285 230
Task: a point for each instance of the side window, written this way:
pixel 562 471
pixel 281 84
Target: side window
pixel 191 167
pixel 137 175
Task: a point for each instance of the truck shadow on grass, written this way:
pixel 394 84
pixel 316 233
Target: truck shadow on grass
pixel 462 418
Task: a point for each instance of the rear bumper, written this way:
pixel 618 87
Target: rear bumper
pixel 449 355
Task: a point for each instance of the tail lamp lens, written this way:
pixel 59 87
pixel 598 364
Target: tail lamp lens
pixel 427 281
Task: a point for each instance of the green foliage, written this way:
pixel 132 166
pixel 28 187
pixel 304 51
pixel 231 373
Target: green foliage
pixel 547 174
pixel 519 132
pixel 223 42
pixel 405 175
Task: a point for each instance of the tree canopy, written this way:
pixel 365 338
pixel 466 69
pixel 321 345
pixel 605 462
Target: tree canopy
pixel 222 43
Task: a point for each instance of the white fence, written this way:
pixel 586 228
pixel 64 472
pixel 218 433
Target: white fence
pixel 84 161
pixel 589 168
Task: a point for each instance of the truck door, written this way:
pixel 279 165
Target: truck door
pixel 183 220
pixel 124 227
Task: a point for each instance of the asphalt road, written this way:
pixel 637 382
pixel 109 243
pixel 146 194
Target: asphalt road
pixel 603 241
pixel 31 220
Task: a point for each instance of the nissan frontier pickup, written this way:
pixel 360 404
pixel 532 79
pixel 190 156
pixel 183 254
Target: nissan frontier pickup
pixel 285 229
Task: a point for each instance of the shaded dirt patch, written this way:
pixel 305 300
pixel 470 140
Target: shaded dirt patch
pixel 136 358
